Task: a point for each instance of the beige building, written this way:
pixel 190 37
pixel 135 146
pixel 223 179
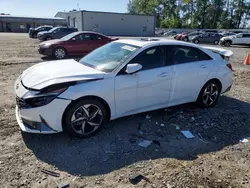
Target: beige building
pixel 114 24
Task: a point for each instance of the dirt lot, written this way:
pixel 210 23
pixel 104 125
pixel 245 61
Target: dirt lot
pixel 214 158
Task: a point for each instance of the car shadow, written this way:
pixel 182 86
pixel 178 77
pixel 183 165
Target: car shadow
pixel 117 145
pixel 49 58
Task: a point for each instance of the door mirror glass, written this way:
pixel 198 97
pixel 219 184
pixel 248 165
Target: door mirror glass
pixel 133 68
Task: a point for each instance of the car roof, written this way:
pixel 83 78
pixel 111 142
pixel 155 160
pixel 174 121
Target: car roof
pixel 143 42
pixel 89 32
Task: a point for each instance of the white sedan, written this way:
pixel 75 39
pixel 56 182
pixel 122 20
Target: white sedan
pixel 121 78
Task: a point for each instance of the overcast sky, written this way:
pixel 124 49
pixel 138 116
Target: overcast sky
pixel 49 8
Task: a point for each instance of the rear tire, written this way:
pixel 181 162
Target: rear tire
pixel 185 39
pixel 84 118
pixel 209 94
pixel 59 53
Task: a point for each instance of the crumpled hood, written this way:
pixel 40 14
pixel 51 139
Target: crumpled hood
pixel 48 73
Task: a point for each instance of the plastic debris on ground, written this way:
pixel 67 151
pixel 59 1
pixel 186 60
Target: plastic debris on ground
pixel 193 119
pixel 135 179
pixel 177 127
pixel 162 125
pixel 187 134
pixel 145 143
pixel 244 140
pixel 148 116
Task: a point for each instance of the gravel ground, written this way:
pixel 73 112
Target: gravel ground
pixel 214 158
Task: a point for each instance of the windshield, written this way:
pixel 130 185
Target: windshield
pixel 69 36
pixel 109 56
pixel 53 29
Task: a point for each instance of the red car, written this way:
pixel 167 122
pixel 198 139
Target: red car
pixel 77 43
pixel 178 37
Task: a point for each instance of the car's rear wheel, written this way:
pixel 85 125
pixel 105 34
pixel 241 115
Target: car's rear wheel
pixel 196 41
pixel 216 42
pixel 185 39
pixel 59 53
pixel 209 94
pixel 227 44
pixel 85 118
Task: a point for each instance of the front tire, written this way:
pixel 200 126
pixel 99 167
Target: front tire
pixel 216 42
pixel 209 94
pixel 227 44
pixel 185 39
pixel 84 118
pixel 196 41
pixel 59 53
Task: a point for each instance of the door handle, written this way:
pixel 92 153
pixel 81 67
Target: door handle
pixel 203 66
pixel 163 75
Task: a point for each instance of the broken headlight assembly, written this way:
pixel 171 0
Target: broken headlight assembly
pixel 44 97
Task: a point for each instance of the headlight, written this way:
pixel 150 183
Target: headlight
pixel 43 98
pixel 46 44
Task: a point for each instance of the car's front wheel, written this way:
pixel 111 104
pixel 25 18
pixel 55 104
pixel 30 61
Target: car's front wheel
pixel 185 39
pixel 216 42
pixel 59 53
pixel 196 41
pixel 84 118
pixel 227 44
pixel 209 94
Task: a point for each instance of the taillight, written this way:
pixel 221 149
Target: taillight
pixel 230 66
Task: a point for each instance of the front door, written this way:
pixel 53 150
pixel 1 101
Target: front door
pixel 154 80
pixel 191 69
pixel 239 39
pixel 80 44
pixel 147 89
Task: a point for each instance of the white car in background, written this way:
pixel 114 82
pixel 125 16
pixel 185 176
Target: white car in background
pixel 239 39
pixel 121 78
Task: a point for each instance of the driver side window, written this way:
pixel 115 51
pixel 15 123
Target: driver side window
pixel 83 37
pixel 150 58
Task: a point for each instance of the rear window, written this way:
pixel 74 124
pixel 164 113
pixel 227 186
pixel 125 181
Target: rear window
pixel 186 54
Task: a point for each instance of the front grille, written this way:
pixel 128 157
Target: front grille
pixel 21 103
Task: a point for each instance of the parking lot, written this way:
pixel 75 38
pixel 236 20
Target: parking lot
pixel 214 158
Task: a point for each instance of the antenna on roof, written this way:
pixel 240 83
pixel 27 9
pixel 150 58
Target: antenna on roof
pixel 78 7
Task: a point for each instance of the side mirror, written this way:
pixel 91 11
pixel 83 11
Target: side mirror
pixel 133 68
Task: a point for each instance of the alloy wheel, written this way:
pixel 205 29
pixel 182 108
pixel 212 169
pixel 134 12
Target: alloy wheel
pixel 86 119
pixel 185 39
pixel 60 53
pixel 210 94
pixel 216 42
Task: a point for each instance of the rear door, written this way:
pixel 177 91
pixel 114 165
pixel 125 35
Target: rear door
pixel 98 40
pixel 191 68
